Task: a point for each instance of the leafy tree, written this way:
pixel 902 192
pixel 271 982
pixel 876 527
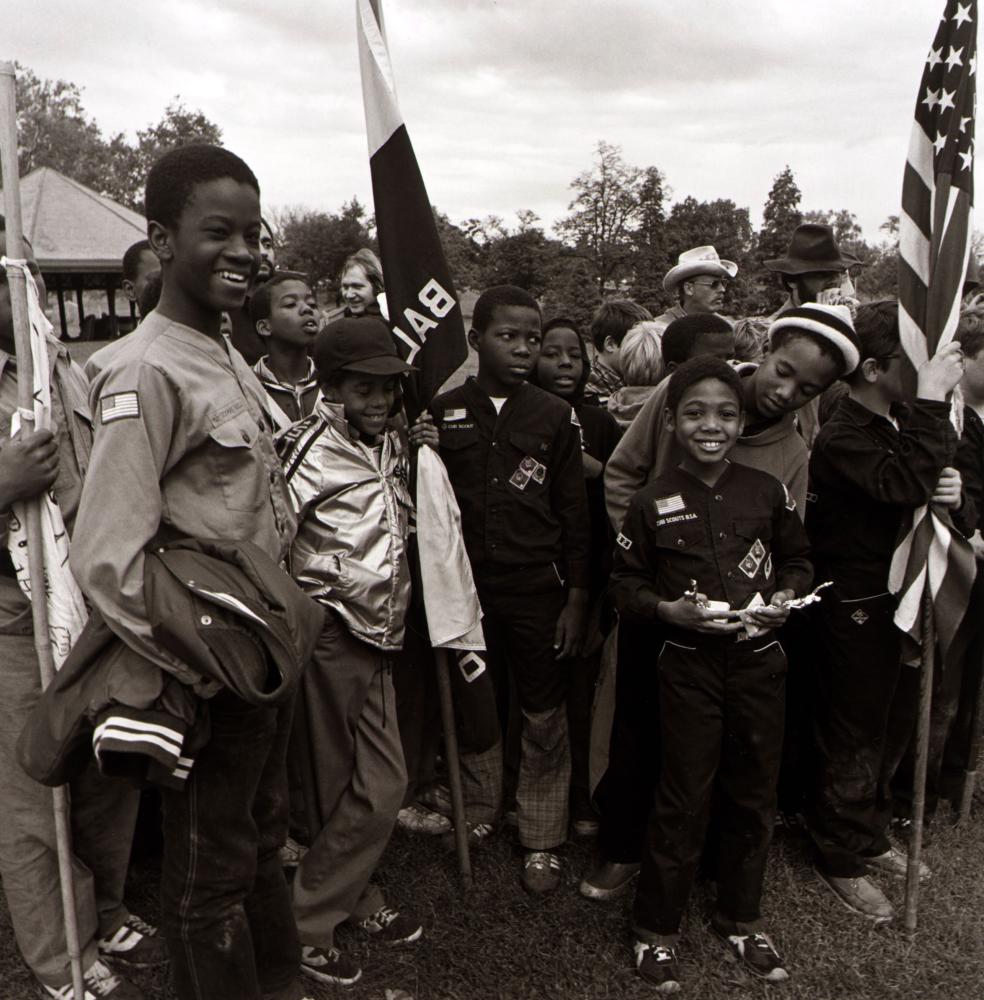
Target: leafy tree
pixel 525 256
pixel 317 243
pixel 604 214
pixel 780 217
pixel 847 230
pixel 53 130
pixel 462 251
pixel 880 279
pixel 650 260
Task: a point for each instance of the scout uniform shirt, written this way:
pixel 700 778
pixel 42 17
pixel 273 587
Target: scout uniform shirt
pixel 72 427
pixel 182 440
pixel 736 538
pixel 518 478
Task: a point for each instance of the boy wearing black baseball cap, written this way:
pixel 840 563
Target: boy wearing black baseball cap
pixel 347 469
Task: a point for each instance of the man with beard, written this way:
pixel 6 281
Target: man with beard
pixel 244 336
pixel 814 269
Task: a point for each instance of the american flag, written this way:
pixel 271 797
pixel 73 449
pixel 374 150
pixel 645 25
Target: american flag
pixel 420 296
pixel 935 234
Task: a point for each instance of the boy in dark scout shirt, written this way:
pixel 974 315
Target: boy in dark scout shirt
pixel 513 455
pixel 182 441
pixel 873 463
pixel 711 530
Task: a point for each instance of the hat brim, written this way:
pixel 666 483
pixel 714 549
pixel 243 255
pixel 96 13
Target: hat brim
pixel 681 272
pixel 795 265
pixel 385 364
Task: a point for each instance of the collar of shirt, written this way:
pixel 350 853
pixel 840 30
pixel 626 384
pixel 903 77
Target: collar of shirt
pixel 266 374
pixel 859 414
pixel 482 403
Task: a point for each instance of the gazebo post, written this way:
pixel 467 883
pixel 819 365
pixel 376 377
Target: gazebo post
pixel 79 303
pixel 111 298
pixel 61 308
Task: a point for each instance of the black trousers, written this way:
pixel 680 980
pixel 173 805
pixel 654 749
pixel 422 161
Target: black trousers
pixel 624 795
pixel 721 710
pixel 864 720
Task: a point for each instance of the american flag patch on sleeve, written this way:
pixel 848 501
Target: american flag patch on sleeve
pixel 670 505
pixel 118 406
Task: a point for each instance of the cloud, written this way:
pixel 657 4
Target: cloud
pixel 505 100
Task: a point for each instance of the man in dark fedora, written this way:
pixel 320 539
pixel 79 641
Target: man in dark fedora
pixel 814 268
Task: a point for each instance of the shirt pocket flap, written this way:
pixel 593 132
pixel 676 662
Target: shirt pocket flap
pixel 456 440
pixel 534 445
pixel 680 537
pixel 240 432
pixel 753 527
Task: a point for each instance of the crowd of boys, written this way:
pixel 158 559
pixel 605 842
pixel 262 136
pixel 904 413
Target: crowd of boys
pixel 680 557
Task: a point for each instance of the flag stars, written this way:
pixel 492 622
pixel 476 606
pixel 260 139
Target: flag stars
pixel 946 99
pixel 935 57
pixel 955 58
pixel 931 99
pixel 940 142
pixel 973 63
pixel 962 14
pixel 968 159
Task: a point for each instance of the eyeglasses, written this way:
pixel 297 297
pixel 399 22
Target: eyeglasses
pixel 717 286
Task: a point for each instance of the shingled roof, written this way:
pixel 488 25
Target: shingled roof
pixel 73 229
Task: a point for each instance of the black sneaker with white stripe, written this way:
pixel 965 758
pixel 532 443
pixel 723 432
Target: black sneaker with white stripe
pixel 754 950
pixel 101 983
pixel 135 944
pixel 657 964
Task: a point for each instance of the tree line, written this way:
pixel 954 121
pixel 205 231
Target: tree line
pixel 621 233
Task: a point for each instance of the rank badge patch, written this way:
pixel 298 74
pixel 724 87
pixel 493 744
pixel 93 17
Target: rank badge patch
pixel 118 406
pixel 625 543
pixel 753 560
pixel 669 505
pixel 859 617
pixel 520 479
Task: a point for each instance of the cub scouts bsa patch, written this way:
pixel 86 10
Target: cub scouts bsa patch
pixel 539 473
pixel 520 479
pixel 528 465
pixel 669 505
pixel 625 543
pixel 859 617
pixel 757 551
pixel 118 406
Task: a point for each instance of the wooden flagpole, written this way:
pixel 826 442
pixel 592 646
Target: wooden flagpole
pixel 926 667
pixel 17 284
pixel 446 663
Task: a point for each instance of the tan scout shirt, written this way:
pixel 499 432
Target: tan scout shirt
pixel 182 439
pixel 72 427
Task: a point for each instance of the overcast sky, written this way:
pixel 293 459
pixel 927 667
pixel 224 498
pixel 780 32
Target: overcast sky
pixel 505 99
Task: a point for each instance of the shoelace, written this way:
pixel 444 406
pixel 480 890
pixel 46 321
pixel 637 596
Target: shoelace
pixel 660 952
pixel 382 918
pixel 135 923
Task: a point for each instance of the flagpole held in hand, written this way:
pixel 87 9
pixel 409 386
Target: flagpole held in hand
pixel 17 283
pixel 926 665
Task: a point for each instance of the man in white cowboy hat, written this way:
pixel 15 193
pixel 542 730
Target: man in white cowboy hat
pixel 814 269
pixel 699 279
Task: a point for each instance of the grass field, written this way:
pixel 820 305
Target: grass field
pixel 500 944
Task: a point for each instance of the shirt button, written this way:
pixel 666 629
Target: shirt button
pixel 718 497
pixel 680 543
pixel 722 534
pixel 495 480
pixel 245 437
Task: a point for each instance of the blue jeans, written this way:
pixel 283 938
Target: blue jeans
pixel 226 910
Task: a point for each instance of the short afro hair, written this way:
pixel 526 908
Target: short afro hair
pixel 261 299
pixel 696 370
pixel 173 178
pixel 614 319
pixel 681 335
pixel 131 259
pixel 500 295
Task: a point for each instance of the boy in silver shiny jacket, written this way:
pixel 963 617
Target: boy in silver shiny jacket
pixel 347 470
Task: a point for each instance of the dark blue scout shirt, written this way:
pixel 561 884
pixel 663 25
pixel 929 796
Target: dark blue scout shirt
pixel 735 538
pixel 865 477
pixel 518 478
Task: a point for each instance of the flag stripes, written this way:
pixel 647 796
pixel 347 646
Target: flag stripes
pixel 932 559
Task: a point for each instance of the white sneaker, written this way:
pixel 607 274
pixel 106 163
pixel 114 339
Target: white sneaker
pixel 896 862
pixel 420 819
pixel 100 982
